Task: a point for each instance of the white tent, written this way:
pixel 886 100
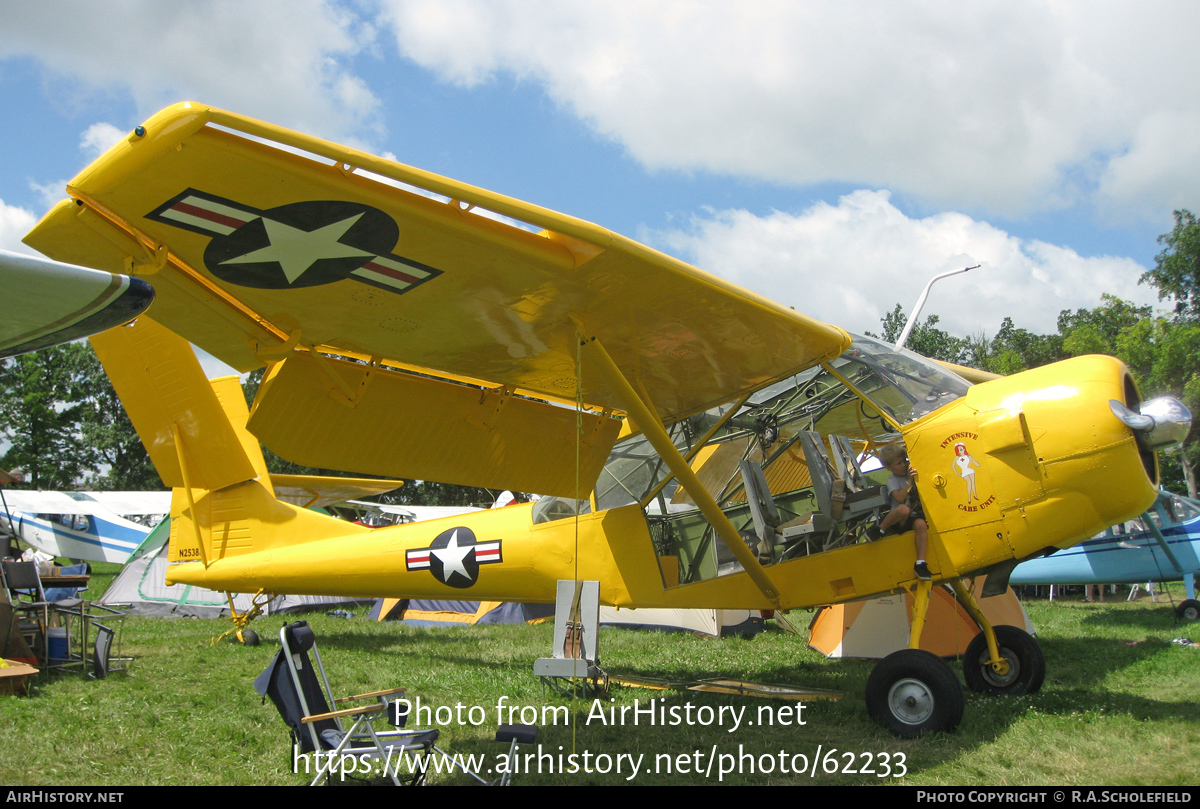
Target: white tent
pixel 718 623
pixel 142 585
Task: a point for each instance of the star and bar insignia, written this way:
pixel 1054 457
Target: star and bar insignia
pixel 301 244
pixel 454 557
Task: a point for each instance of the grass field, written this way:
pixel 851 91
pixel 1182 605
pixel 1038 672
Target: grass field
pixel 1110 713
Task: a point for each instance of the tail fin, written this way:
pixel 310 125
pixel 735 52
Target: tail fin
pixel 195 432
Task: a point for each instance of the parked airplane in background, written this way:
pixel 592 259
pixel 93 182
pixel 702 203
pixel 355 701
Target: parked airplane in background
pixel 85 526
pixel 694 441
pixel 1161 545
pixel 109 526
pixel 44 303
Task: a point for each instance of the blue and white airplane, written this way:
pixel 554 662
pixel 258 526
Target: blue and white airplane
pixel 1162 545
pixel 86 526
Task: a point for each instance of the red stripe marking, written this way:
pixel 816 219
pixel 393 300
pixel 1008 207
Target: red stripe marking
pixel 388 271
pixel 211 216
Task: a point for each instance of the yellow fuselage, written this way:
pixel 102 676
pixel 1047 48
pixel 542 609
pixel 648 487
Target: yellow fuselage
pixel 1015 466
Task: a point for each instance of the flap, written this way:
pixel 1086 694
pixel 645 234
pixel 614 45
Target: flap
pixel 406 425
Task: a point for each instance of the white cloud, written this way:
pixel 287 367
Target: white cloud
pixel 1005 106
pixel 51 193
pixel 15 222
pixel 851 263
pixel 279 60
pixel 98 137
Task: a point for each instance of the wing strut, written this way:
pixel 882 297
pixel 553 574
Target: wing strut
pixel 653 430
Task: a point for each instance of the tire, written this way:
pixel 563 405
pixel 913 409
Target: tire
pixel 913 692
pixel 249 637
pixel 1188 610
pixel 1026 664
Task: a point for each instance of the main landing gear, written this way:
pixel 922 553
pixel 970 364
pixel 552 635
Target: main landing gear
pixel 1188 610
pixel 913 692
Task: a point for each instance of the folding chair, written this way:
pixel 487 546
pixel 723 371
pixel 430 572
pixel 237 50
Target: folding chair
pixel 29 601
pixel 301 693
pixel 303 698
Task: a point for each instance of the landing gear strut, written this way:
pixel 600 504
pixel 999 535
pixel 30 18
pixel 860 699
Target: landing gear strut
pixel 1023 669
pixel 912 692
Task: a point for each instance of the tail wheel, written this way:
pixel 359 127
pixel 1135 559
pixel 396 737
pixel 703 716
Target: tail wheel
pixel 248 637
pixel 1188 610
pixel 1026 664
pixel 913 692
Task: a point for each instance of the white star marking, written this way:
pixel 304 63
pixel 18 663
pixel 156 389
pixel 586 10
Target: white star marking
pixel 296 250
pixel 452 557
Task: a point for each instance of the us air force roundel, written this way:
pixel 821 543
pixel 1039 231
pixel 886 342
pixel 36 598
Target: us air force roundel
pixel 302 244
pixel 454 557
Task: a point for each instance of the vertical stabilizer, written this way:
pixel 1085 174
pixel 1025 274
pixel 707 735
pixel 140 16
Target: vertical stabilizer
pixel 173 407
pixel 195 431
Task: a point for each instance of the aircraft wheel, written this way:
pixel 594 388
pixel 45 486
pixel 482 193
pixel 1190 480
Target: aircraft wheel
pixel 913 692
pixel 249 637
pixel 1026 664
pixel 1189 610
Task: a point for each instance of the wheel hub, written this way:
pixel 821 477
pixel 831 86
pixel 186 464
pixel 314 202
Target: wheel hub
pixel 911 701
pixel 997 677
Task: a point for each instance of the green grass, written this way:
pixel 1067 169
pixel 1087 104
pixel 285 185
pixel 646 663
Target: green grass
pixel 1109 713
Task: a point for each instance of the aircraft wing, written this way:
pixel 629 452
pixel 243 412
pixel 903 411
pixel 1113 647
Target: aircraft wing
pixel 100 503
pixel 31 502
pixel 134 502
pixel 45 303
pixel 427 318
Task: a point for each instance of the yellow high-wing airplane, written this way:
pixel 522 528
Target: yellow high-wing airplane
pixel 696 443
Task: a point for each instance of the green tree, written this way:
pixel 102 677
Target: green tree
pixel 66 425
pixel 1097 331
pixel 1013 350
pixel 41 396
pixel 1176 273
pixel 926 338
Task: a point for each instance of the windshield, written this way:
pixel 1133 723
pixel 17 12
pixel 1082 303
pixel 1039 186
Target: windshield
pixel 907 385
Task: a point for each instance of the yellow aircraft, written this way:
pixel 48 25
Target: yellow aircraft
pixel 697 444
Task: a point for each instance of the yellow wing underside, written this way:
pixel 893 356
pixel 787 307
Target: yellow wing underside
pixel 264 245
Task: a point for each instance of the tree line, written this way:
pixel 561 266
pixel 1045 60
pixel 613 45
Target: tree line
pixel 66 428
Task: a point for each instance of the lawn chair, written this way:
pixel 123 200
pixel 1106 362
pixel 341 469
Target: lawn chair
pixel 302 695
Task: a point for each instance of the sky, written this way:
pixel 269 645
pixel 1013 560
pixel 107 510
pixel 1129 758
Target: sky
pixel 832 156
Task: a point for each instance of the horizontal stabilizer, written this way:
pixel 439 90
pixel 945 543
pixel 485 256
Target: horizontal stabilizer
pixel 316 491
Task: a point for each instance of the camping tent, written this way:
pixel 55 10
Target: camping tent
pixel 429 612
pixel 879 626
pixel 142 585
pixel 717 623
pixel 422 612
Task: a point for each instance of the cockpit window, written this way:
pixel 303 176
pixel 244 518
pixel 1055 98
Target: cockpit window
pixel 907 385
pixel 779 430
